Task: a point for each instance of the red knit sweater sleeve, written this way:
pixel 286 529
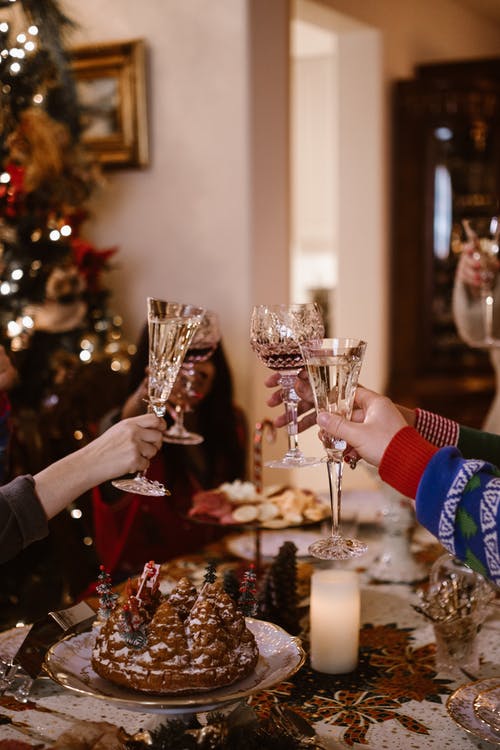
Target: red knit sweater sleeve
pixel 405 459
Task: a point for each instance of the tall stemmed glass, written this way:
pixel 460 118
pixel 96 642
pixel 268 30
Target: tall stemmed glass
pixel 275 334
pixel 203 345
pixel 171 327
pixel 333 366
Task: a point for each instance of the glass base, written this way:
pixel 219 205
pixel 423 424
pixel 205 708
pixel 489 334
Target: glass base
pixel 140 485
pixel 183 438
pixel 293 462
pixel 337 548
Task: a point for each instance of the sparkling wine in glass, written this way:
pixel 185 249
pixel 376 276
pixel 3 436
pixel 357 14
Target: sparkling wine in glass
pixel 333 366
pixel 275 334
pixel 171 328
pixel 185 392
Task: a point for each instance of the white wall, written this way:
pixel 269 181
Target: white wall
pixel 208 220
pixel 182 223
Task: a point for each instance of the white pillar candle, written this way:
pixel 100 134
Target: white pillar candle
pixel 334 621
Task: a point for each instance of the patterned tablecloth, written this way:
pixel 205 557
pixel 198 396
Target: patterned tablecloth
pixel 394 699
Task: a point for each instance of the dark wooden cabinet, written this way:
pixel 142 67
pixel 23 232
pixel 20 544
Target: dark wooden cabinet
pixel 446 166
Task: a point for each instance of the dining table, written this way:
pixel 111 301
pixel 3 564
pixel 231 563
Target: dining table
pixel 396 697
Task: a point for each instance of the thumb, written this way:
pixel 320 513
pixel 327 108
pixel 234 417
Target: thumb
pixel 338 426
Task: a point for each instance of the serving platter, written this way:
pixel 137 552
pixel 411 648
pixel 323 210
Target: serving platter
pixel 68 663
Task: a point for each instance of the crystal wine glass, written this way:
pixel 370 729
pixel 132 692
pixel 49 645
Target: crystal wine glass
pixel 184 392
pixel 171 327
pixel 333 366
pixel 275 334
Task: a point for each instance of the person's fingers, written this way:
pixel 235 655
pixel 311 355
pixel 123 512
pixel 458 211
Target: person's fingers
pixel 272 380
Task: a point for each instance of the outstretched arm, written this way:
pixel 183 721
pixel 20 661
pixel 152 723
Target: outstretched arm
pixel 126 447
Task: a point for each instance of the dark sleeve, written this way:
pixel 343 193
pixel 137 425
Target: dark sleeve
pixel 22 518
pixel 478 444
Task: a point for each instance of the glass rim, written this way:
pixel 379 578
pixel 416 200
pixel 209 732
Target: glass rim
pixel 286 306
pixel 332 344
pixel 169 309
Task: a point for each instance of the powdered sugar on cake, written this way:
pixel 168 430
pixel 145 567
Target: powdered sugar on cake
pixel 187 642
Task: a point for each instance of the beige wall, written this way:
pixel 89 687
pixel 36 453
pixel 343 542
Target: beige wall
pixel 208 220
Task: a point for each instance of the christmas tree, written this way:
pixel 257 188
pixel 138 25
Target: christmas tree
pixel 54 314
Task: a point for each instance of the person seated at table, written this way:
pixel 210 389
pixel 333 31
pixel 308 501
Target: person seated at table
pixel 8 378
pixel 129 528
pixel 450 470
pixel 28 502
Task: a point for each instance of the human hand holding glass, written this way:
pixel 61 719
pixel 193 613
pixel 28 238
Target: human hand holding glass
pixel 275 334
pixel 171 327
pixel 333 366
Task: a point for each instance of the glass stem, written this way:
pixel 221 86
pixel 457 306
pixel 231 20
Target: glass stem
pixel 179 418
pixel 335 469
pixel 290 402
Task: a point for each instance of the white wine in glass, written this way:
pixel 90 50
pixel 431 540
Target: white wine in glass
pixel 171 327
pixel 183 394
pixel 275 334
pixel 333 366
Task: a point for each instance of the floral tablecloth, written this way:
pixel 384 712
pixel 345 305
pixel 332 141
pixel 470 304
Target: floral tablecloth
pixel 394 699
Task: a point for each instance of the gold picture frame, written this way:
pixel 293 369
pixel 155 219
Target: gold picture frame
pixel 111 88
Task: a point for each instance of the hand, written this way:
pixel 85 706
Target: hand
pixel 128 446
pixel 469 266
pixel 305 405
pixel 375 421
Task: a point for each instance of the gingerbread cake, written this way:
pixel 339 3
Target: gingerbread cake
pixel 186 642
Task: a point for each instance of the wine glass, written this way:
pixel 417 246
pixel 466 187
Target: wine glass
pixel 275 334
pixel 479 327
pixel 171 327
pixel 333 366
pixel 184 392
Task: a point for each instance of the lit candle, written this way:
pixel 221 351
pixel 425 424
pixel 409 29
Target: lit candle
pixel 334 621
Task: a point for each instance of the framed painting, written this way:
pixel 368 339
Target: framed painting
pixel 111 87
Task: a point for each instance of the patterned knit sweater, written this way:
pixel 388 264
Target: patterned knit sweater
pixel 451 472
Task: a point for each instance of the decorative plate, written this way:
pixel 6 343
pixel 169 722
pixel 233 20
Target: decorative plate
pixel 487 706
pixel 460 706
pixel 280 656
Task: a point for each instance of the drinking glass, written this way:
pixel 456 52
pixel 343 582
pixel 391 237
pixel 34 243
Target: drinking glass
pixel 479 327
pixel 275 334
pixel 171 327
pixel 333 366
pixel 184 392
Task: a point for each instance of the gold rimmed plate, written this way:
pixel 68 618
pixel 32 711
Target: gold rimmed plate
pixel 461 708
pixel 68 663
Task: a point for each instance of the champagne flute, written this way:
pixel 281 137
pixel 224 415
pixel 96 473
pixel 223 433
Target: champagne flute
pixel 333 366
pixel 171 327
pixel 203 345
pixel 275 334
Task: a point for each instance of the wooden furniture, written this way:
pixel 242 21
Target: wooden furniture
pixel 446 137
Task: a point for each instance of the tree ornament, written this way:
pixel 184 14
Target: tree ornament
pixel 278 597
pixel 210 571
pixel 107 598
pixel 247 602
